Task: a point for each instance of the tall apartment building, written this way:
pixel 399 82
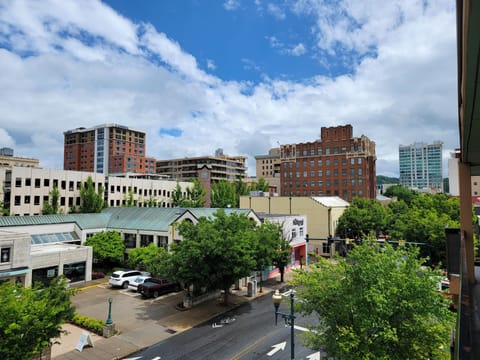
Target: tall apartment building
pixel 268 167
pixel 107 149
pixel 421 166
pixel 336 165
pixel 220 166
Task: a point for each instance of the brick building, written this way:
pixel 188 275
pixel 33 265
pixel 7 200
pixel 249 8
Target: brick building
pixel 107 149
pixel 336 165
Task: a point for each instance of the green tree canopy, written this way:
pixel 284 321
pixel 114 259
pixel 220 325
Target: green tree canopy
pixel 140 257
pixel 52 206
pixel 261 185
pixel 108 247
pixel 91 201
pixel 215 252
pixel 363 216
pixel 401 193
pixel 31 318
pixel 224 195
pixel 194 198
pixel 378 303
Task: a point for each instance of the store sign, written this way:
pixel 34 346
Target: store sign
pixel 298 222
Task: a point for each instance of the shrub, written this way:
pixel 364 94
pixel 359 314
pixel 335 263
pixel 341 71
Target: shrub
pixel 88 323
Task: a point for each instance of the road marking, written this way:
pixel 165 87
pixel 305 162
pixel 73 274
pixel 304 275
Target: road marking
pixel 276 348
pixel 314 356
pixel 134 358
pixel 249 348
pixel 92 286
pixel 215 325
pixel 301 328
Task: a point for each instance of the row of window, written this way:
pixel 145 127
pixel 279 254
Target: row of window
pixel 328 183
pixel 353 193
pixel 319 173
pixel 328 151
pixel 320 162
pixel 72 185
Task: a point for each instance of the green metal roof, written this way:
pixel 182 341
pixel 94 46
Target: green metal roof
pixel 155 219
pixel 130 218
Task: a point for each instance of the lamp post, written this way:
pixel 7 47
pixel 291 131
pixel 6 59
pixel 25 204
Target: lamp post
pixel 307 238
pixel 289 318
pixel 109 318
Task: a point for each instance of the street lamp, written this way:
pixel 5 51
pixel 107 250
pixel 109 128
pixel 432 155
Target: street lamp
pixel 307 238
pixel 109 318
pixel 289 318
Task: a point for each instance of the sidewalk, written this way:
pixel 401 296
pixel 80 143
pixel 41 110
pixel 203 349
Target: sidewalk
pixel 152 332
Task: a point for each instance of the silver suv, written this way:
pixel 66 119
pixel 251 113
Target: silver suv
pixel 122 278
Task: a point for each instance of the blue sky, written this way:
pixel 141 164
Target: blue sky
pixel 238 75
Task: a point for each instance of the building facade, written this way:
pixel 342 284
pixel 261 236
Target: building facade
pixel 221 167
pixel 336 165
pixel 107 149
pixel 322 214
pixel 268 167
pixel 26 190
pixel 8 159
pixel 421 166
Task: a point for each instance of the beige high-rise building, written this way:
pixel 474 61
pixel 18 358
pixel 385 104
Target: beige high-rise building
pixel 268 167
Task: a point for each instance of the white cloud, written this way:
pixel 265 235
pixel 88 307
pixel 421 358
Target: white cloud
pixel 276 11
pixel 405 93
pixel 211 64
pixel 231 5
pixel 297 50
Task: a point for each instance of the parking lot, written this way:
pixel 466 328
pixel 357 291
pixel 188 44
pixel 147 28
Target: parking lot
pixel 129 310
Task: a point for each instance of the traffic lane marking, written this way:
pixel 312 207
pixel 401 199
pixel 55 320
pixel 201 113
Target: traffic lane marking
pixel 249 348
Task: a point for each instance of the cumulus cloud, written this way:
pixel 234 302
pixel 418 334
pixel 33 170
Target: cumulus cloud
pixel 231 5
pixel 62 68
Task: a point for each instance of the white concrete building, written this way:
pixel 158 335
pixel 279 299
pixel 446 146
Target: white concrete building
pixel 25 190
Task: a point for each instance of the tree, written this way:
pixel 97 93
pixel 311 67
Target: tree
pixel 281 257
pixel 378 303
pixel 260 185
pixel 129 199
pixel 401 193
pixel 224 195
pixel 108 247
pixel 91 201
pixel 142 256
pixel 31 318
pixel 52 206
pixel 215 252
pixel 194 198
pixel 361 217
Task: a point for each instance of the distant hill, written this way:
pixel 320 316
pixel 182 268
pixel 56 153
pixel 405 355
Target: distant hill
pixel 387 180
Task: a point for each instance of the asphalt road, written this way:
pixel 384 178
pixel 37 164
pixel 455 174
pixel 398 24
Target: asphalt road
pixel 246 333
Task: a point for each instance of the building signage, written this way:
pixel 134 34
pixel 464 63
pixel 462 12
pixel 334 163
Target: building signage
pixel 298 222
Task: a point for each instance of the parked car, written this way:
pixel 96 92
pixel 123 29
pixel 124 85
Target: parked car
pixel 122 278
pixel 133 285
pixel 154 287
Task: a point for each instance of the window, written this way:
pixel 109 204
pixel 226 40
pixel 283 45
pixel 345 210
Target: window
pixel 327 151
pixel 312 163
pixel 5 255
pixel 27 199
pixel 360 172
pixel 359 161
pixel 36 200
pixel 17 200
pixel 46 182
pixel 320 173
pixel 312 173
pixel 71 185
pixel 300 231
pixel 319 162
pixel 294 233
pixel 319 151
pixel 63 184
pixel 335 162
pixel 327 162
pixel 18 182
pixel 37 183
pixel 327 173
pixel 28 182
pixel 352 161
pixel 304 174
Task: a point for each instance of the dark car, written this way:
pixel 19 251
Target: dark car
pixel 157 286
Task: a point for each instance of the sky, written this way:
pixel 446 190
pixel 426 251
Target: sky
pixel 240 75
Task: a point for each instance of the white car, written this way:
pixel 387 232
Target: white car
pixel 122 278
pixel 133 285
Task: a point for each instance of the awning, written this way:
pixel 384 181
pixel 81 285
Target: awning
pixel 14 272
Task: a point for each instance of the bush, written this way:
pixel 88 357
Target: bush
pixel 88 323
